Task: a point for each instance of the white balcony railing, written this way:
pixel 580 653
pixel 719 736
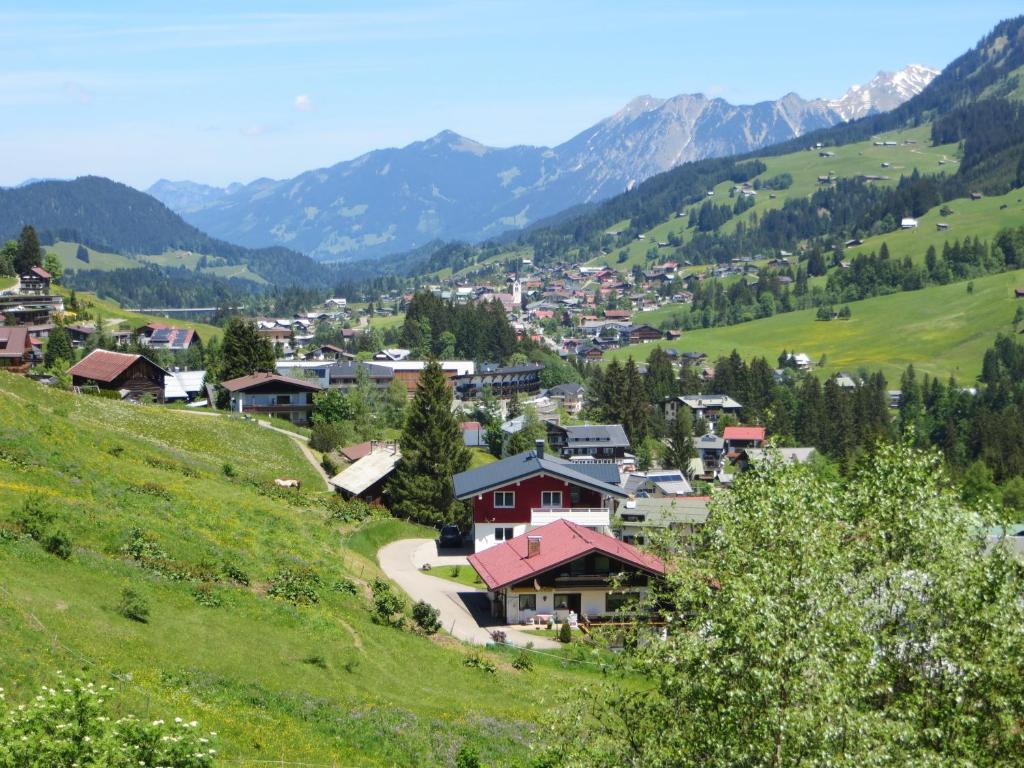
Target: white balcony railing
pixel 590 517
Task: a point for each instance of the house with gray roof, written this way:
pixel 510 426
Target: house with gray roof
pixel 514 495
pixel 592 442
pixel 637 520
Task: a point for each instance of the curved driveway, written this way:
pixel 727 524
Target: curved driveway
pixel 465 612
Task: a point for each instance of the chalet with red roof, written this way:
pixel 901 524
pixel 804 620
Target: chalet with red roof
pixel 562 567
pixel 169 337
pixel 741 438
pixel 272 394
pixel 522 492
pixel 133 376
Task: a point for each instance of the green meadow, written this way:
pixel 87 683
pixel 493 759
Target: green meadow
pixel 313 683
pixel 942 330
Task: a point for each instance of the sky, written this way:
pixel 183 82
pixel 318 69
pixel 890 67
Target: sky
pixel 233 91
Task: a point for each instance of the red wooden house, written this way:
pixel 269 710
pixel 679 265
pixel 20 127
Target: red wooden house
pixel 512 496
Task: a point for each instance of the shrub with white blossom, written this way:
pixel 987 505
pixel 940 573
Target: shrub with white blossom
pixel 69 725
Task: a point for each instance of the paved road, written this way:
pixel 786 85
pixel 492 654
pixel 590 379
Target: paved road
pixel 465 612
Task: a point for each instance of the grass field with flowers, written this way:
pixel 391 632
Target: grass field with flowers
pixel 250 626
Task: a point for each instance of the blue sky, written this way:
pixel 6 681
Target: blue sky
pixel 136 92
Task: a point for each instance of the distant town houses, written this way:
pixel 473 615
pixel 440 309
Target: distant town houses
pixel 708 408
pixel 503 381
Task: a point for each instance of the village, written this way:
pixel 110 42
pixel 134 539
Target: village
pixel 560 510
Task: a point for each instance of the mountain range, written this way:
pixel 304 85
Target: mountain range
pixel 451 187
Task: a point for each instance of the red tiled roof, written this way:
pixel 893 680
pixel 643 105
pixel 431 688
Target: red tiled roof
pixel 470 425
pixel 246 382
pixel 743 433
pixel 561 542
pixel 357 451
pixel 13 341
pixel 102 365
pixel 40 272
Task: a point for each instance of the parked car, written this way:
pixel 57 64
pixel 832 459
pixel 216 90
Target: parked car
pixel 450 537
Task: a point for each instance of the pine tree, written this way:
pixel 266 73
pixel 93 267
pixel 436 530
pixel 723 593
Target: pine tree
pixel 58 347
pixel 432 452
pixel 679 450
pixel 28 253
pixel 811 416
pixel 244 351
pixel 661 379
pixel 635 409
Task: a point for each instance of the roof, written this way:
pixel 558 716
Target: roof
pixel 709 441
pixel 595 435
pixel 565 389
pixel 357 451
pixel 524 465
pixel 102 365
pixel 368 470
pixel 709 401
pixel 180 385
pixel 670 482
pixel 168 335
pixel 13 341
pixel 40 272
pixel 664 513
pixel 459 367
pixel 560 542
pixel 743 433
pixel 243 383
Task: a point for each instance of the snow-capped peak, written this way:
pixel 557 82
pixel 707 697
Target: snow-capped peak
pixel 887 90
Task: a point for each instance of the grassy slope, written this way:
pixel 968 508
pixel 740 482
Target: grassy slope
pixel 110 310
pixel 942 330
pixel 805 167
pixel 384 697
pixel 108 261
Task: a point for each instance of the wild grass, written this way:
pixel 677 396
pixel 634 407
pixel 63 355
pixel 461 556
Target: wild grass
pixel 213 648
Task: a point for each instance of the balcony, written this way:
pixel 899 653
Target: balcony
pixel 588 517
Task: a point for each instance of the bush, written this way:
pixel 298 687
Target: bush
pixel 331 436
pixel 228 470
pixel 565 633
pixel 297 585
pixel 206 596
pixel 315 660
pixel 426 617
pixel 346 586
pixel 476 661
pixel 467 757
pixel 36 732
pixel 234 573
pixel 352 510
pixel 58 543
pixel 522 662
pixel 34 517
pixel 133 606
pixel 455 571
pixel 329 465
pixel 387 605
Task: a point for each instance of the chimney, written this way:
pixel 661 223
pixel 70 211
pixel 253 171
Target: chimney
pixel 532 546
pixel 539 449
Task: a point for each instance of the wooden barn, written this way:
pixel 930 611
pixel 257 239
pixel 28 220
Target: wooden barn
pixel 133 376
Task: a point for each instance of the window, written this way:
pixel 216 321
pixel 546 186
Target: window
pixel 527 602
pixel 503 534
pixel 551 499
pixel 602 564
pixel 562 602
pixel 614 601
pixel 284 400
pixel 504 499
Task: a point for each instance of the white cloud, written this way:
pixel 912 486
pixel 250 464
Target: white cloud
pixel 303 103
pixel 256 129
